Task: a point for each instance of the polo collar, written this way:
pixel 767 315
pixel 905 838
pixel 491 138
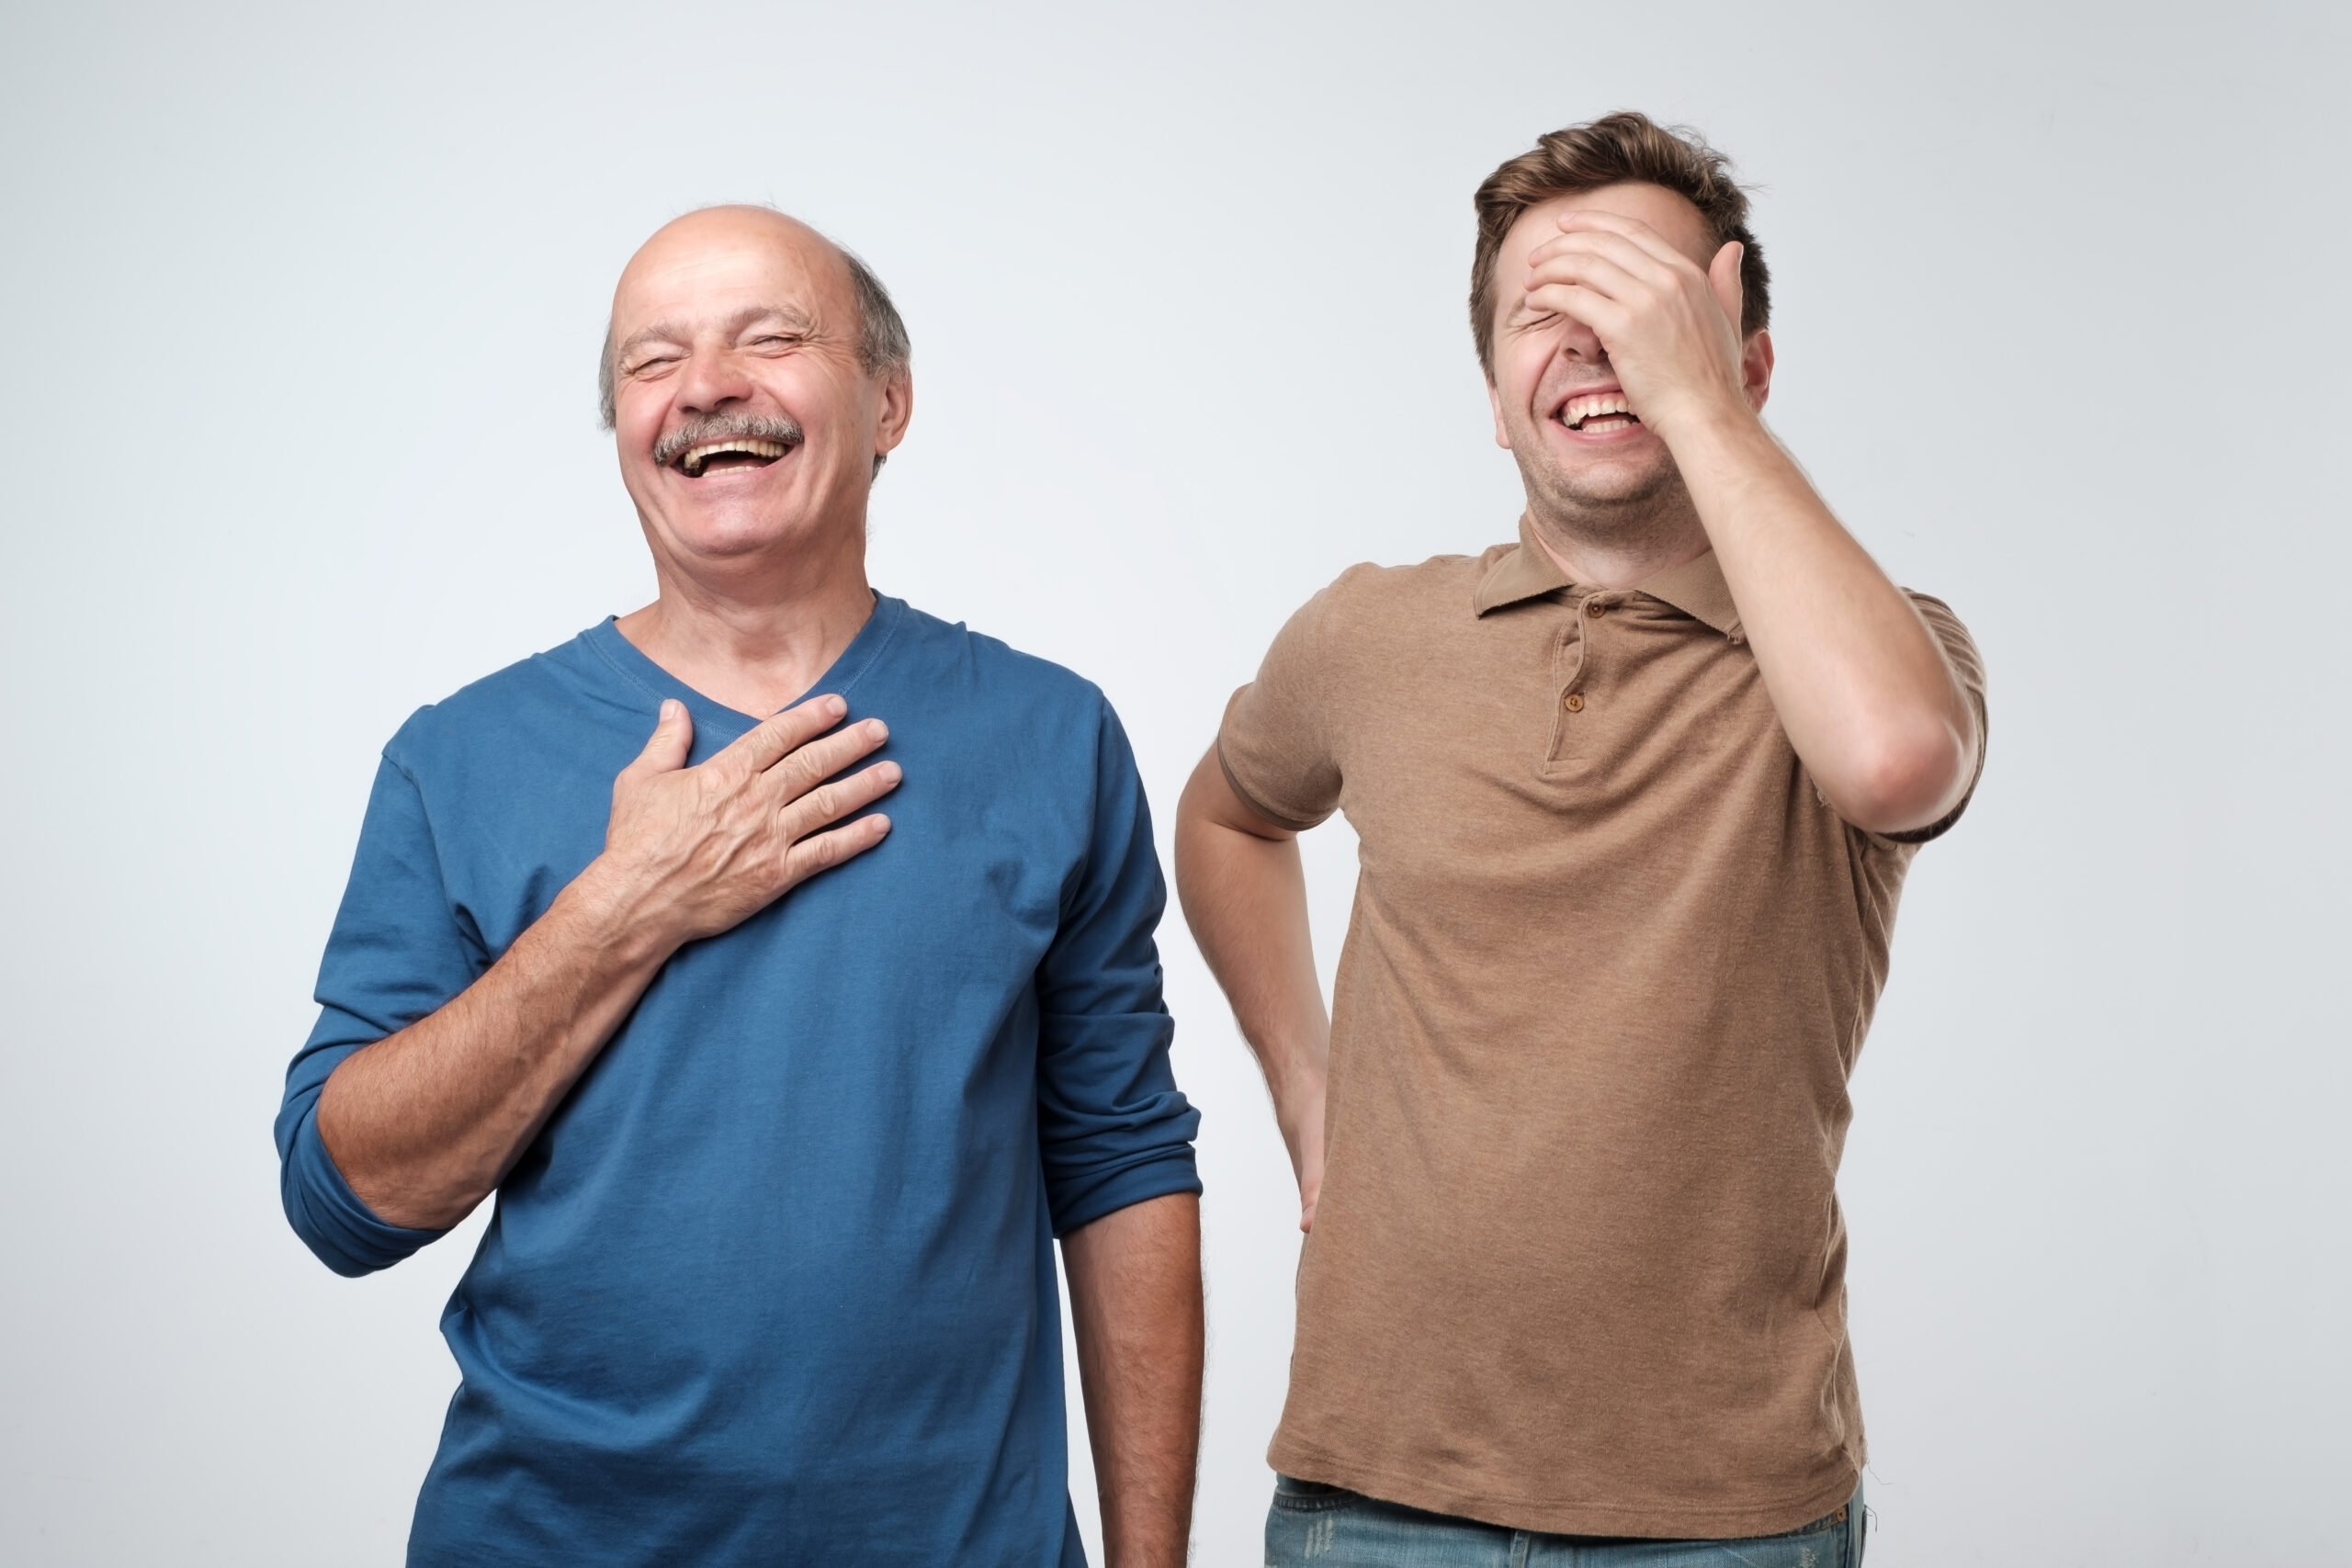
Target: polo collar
pixel 1526 569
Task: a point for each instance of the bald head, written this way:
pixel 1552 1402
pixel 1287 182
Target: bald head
pixel 704 243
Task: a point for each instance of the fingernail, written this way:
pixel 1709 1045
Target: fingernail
pixel 669 709
pixel 890 773
pixel 881 731
pixel 835 706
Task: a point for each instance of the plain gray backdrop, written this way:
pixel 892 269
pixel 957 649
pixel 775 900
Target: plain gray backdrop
pixel 302 305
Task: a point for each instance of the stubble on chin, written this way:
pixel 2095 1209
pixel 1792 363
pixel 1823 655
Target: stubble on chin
pixel 1631 511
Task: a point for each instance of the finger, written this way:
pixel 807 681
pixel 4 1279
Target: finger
pixel 831 801
pixel 1724 274
pixel 665 750
pixel 821 851
pixel 812 764
pixel 773 739
pixel 1600 274
pixel 1587 220
pixel 1595 310
pixel 1662 271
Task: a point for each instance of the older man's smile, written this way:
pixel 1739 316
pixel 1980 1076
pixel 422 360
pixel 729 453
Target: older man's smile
pixel 729 443
pixel 717 456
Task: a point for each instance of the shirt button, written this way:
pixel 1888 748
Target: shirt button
pixel 1573 702
pixel 1597 607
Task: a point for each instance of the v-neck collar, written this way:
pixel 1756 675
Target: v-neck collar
pixel 714 717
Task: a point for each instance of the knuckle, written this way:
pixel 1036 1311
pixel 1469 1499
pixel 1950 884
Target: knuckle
pixel 773 737
pixel 801 772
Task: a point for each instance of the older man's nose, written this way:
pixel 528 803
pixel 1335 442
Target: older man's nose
pixel 712 381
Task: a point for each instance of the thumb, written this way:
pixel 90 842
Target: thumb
pixel 1724 274
pixel 665 752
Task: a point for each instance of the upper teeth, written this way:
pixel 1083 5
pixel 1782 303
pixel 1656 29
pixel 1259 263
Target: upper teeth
pixel 697 455
pixel 1579 409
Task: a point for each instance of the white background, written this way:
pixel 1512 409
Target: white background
pixel 301 306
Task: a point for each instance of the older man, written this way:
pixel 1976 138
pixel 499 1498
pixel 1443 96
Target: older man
pixel 1636 793
pixel 783 1098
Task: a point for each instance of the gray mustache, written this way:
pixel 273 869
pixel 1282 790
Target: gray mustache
pixel 780 428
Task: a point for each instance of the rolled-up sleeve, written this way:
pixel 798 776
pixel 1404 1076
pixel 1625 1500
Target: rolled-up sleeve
pixel 396 954
pixel 1112 1127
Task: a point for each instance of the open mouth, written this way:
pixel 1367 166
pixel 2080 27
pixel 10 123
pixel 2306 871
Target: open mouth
pixel 1599 414
pixel 735 451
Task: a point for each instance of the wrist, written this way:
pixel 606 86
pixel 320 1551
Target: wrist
pixel 1295 1074
pixel 1299 1118
pixel 621 910
pixel 1725 417
pixel 1698 414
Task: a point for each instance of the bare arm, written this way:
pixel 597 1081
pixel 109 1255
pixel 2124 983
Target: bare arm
pixel 1244 893
pixel 1863 688
pixel 1135 1292
pixel 425 1123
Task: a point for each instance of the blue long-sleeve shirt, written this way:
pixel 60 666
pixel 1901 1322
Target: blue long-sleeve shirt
pixel 776 1283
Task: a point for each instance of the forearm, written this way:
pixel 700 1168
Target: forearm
pixel 1244 896
pixel 425 1123
pixel 1134 1291
pixel 1865 694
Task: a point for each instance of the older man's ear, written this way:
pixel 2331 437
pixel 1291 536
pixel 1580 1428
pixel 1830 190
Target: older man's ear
pixel 898 413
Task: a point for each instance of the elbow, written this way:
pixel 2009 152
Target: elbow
pixel 1906 779
pixel 338 1226
pixel 330 1238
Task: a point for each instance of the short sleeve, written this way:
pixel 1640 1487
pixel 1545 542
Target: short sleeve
pixel 1968 664
pixel 1275 744
pixel 397 953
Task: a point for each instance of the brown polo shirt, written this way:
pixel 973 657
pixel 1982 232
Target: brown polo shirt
pixel 1578 1264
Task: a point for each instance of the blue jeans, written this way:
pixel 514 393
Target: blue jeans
pixel 1312 1526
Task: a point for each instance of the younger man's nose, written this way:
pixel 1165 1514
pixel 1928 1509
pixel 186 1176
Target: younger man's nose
pixel 1582 344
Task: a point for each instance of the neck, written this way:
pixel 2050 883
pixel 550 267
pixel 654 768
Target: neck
pixel 1620 553
pixel 755 634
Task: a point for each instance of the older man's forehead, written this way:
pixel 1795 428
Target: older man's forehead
pixel 717 246
pixel 729 262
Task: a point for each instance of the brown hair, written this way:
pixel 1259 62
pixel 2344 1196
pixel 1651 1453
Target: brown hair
pixel 1609 151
